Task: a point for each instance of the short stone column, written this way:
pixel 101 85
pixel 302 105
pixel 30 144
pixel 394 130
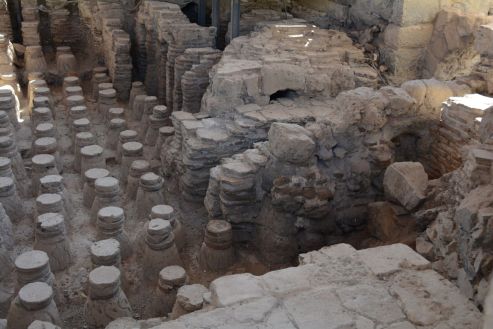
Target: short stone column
pixel 54 184
pixel 190 298
pixel 131 151
pixel 106 300
pixel 8 149
pixel 77 112
pixel 167 212
pixel 42 165
pixel 5 123
pixel 73 90
pixel 137 169
pixel 217 253
pixel 67 65
pixel 79 126
pixel 48 145
pixel 160 249
pixel 6 169
pixel 33 266
pixel 106 253
pixel 110 222
pixel 10 199
pixel 171 278
pixel 42 101
pixel 90 177
pixel 50 203
pixel 138 88
pixel 82 140
pixel 41 114
pixel 138 107
pixel 158 119
pixel 149 194
pixel 34 302
pixel 6 232
pixel 115 127
pixel 43 91
pixel 8 104
pixel 107 193
pixel 96 80
pixel 116 112
pixel 106 101
pixel 50 237
pixel 73 101
pixel 149 103
pixel 70 81
pixel 44 129
pixel 91 157
pixel 125 136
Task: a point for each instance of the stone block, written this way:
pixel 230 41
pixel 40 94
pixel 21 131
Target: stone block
pixel 291 143
pixel 413 36
pixel 403 62
pixel 406 182
pixel 483 41
pixel 413 12
pixel 232 289
pixel 387 260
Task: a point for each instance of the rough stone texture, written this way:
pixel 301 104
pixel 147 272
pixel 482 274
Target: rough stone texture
pixel 335 288
pixel 406 182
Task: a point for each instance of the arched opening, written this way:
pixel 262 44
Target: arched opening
pixel 285 93
pixel 191 11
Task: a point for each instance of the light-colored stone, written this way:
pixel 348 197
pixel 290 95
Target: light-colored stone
pixel 406 182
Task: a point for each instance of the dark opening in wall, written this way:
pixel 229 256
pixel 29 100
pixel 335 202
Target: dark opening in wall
pixel 191 11
pixel 415 148
pixel 286 93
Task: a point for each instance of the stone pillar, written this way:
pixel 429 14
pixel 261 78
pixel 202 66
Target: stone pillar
pixel 217 253
pixel 131 151
pixel 116 113
pixel 110 222
pixel 73 91
pixel 42 165
pixel 82 140
pixel 164 134
pixel 67 65
pixel 160 249
pixel 77 112
pixel 48 145
pixel 78 126
pixel 73 101
pixel 33 266
pixel 138 88
pixel 90 177
pixel 44 129
pixel 34 302
pixel 54 184
pixel 8 149
pixel 8 104
pixel 138 107
pixel 49 203
pixel 50 237
pixel 158 119
pixel 171 278
pixel 96 80
pixel 106 101
pixel 149 194
pixel 34 59
pixel 41 114
pixel 125 137
pixel 10 199
pixel 115 127
pixel 106 253
pixel 190 298
pixel 137 169
pixel 91 157
pixel 6 169
pixel 168 213
pixel 6 233
pixel 106 300
pixel 149 103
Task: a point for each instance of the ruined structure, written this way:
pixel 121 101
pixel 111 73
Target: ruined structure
pixel 238 164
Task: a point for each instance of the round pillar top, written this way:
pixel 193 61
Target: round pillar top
pixel 35 295
pixel 162 211
pixel 31 260
pixel 92 150
pixel 172 276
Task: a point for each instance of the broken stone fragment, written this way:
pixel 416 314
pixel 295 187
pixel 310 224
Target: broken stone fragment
pixel 405 183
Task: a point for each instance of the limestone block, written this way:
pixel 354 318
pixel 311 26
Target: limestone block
pixel 291 143
pixel 386 260
pixel 413 12
pixel 413 36
pixel 483 41
pixel 406 182
pixel 403 62
pixel 277 77
pixel 416 89
pixel 232 289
